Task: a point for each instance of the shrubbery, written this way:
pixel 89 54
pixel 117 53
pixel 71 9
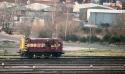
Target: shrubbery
pixel 106 38
pixel 72 38
pixel 82 39
pixel 92 39
pixel 45 34
pixel 95 39
pixel 114 39
pixel 109 38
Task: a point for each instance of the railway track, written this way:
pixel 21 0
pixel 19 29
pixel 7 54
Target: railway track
pixel 62 69
pixel 64 65
pixel 66 60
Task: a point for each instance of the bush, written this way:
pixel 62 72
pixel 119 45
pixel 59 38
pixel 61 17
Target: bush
pixel 117 39
pixel 114 38
pixel 72 38
pixel 122 38
pixel 45 34
pixel 83 39
pixel 106 38
pixel 92 39
pixel 95 39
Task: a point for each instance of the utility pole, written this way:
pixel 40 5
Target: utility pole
pixel 52 1
pixel 67 19
pixel 55 4
pixel 55 34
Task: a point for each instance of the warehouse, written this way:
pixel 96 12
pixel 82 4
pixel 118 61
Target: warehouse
pixel 104 16
pixel 82 9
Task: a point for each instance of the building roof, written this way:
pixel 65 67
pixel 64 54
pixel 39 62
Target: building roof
pixel 37 6
pixel 6 5
pixel 106 11
pixel 77 7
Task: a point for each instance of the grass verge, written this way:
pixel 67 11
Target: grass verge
pixel 95 52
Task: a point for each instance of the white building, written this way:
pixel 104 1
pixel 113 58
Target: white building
pixel 77 7
pixel 104 16
pixel 82 9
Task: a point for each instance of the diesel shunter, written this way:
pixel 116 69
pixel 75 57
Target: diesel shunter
pixel 41 47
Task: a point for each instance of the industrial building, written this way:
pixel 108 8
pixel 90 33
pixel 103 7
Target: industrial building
pixel 104 16
pixel 81 9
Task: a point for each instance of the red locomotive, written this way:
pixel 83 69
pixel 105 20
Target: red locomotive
pixel 38 47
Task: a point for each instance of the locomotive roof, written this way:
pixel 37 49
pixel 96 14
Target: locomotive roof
pixel 43 38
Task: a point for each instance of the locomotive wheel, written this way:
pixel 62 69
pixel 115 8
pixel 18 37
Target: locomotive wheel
pixel 46 55
pixel 30 56
pixel 56 55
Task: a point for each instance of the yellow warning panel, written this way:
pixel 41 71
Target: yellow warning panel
pixel 23 44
